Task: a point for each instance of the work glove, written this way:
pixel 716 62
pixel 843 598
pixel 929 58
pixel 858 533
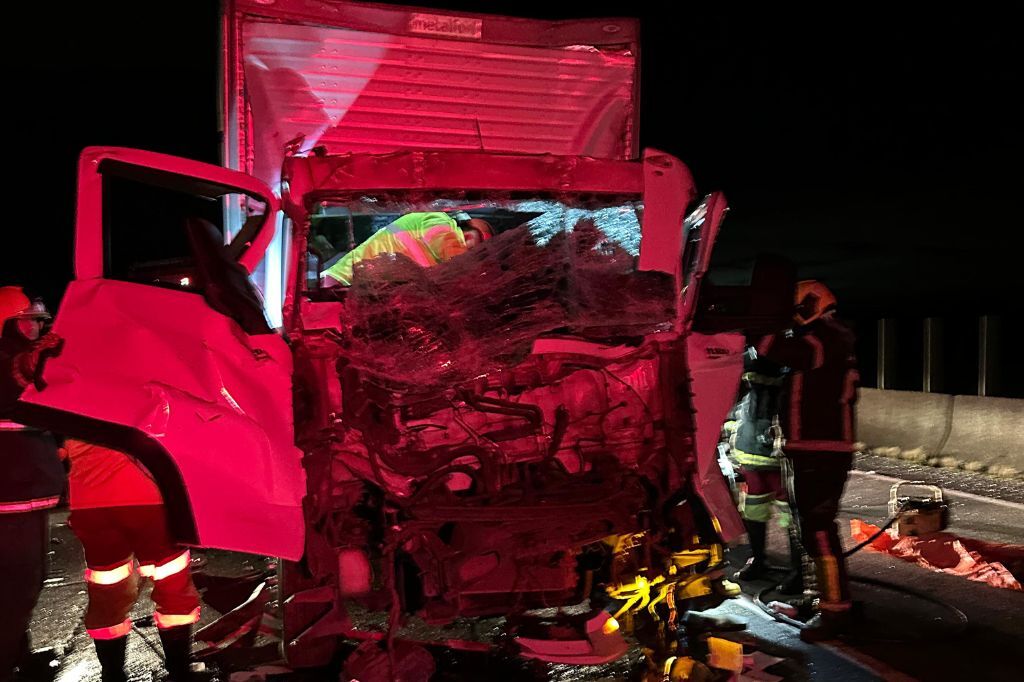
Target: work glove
pixel 28 366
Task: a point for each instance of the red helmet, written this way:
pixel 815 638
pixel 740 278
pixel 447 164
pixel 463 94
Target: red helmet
pixel 813 299
pixel 15 304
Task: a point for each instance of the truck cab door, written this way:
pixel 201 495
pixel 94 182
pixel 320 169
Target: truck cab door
pixel 715 363
pixel 172 359
pixel 682 246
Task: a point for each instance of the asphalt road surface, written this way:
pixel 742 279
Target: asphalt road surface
pixel 910 628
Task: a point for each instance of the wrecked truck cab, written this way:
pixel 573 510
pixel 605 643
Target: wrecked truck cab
pixel 508 429
pixel 569 455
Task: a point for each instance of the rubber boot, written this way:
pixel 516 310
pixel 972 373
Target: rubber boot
pixel 794 584
pixel 111 653
pixel 756 567
pixel 177 644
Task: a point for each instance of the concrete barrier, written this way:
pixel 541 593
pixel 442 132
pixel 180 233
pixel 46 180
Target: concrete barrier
pixel 977 432
pixel 989 430
pixel 905 419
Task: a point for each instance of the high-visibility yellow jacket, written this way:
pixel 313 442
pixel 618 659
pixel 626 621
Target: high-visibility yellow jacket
pixel 425 238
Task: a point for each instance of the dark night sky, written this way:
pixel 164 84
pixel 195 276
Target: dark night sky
pixel 880 151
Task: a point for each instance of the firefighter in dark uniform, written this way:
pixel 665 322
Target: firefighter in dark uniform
pixel 817 418
pixel 756 448
pixel 31 475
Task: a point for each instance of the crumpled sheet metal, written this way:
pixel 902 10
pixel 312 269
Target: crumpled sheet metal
pixel 715 364
pixel 481 312
pixel 218 402
pixel 998 565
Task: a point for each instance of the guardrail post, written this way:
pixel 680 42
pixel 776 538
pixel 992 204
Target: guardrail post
pixel 988 356
pixel 886 353
pixel 933 379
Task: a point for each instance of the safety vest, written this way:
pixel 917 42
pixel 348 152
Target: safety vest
pixel 425 238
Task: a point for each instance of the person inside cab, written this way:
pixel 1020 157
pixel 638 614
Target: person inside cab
pixel 425 238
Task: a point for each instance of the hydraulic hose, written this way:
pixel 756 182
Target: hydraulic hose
pixel 961 617
pixel 783 618
pixel 888 523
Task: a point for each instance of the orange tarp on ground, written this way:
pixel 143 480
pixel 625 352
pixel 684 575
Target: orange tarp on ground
pixel 998 565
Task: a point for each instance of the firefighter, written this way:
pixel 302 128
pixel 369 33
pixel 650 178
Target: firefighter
pixel 425 238
pixel 817 417
pixel 31 476
pixel 756 442
pixel 118 514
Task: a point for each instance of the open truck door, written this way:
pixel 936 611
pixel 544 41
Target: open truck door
pixel 171 359
pixel 716 321
pixel 714 362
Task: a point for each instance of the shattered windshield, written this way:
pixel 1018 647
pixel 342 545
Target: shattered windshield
pixel 339 227
pixel 551 265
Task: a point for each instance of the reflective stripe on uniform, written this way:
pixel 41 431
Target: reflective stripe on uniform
pixel 757 507
pixel 783 513
pixel 848 399
pixel 173 620
pixel 173 565
pixel 828 573
pixel 6 425
pixel 435 231
pixel 112 632
pixel 796 396
pixel 414 248
pixel 109 576
pixel 762 379
pixel 29 505
pixel 751 460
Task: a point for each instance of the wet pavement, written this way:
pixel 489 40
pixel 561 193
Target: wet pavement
pixel 910 627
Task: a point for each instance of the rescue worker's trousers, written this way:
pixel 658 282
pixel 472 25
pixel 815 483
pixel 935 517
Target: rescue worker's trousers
pixel 765 491
pixel 816 485
pixel 23 546
pixel 115 539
